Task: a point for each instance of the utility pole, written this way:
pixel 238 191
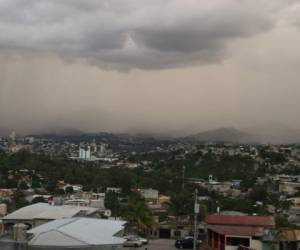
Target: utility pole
pixel 196 210
pixel 183 173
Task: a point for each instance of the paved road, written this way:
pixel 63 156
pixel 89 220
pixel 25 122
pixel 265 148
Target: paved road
pixel 159 244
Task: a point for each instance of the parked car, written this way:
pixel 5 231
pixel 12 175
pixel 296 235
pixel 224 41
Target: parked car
pixel 137 237
pixel 132 243
pixel 186 242
pixel 143 240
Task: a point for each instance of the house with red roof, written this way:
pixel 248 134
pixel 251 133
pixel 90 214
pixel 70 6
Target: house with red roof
pixel 236 232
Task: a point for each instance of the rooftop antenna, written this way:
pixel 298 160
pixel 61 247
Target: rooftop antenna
pixel 183 176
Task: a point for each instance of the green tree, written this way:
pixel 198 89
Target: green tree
pixel 60 191
pixel 51 185
pixel 69 190
pixel 38 200
pixel 282 222
pixel 11 183
pixel 182 204
pixel 35 183
pixel 138 214
pixel 236 204
pixel 259 193
pixel 112 203
pixel 23 185
pixel 19 200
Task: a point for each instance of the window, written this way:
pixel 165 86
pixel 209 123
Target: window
pixel 177 233
pixel 236 241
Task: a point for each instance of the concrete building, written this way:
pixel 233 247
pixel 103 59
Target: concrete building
pixel 113 189
pixel 228 232
pixel 99 203
pixel 84 154
pixel 3 210
pixel 295 202
pixel 6 194
pixel 103 149
pixel 164 199
pixel 173 228
pixel 289 188
pixel 150 194
pixel 220 187
pixel 288 239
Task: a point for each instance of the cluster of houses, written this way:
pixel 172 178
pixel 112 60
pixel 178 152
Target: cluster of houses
pixel 76 219
pixel 215 235
pixel 47 226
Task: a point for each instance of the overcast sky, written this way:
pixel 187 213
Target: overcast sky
pixel 178 66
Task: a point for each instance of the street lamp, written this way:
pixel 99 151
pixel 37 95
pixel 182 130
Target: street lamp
pixel 196 211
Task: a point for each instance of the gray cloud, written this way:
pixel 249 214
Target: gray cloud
pixel 225 63
pixel 124 34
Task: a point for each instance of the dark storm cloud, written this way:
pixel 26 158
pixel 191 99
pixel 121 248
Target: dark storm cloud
pixel 124 34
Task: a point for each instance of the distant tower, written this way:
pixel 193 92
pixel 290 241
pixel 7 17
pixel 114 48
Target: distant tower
pixel 88 153
pixel 102 149
pixel 210 178
pixel 94 146
pixel 13 136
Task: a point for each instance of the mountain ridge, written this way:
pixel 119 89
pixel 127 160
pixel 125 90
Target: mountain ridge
pixel 267 134
pixel 226 134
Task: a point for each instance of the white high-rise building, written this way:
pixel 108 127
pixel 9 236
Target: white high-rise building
pixel 94 146
pixel 88 153
pixel 103 149
pixel 81 153
pixel 85 154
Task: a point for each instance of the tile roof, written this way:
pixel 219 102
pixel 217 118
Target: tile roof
pixel 240 220
pixel 236 230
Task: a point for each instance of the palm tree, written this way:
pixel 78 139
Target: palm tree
pixel 138 214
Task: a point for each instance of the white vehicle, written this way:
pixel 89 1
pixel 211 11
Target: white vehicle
pixel 143 240
pixel 136 237
pixel 132 243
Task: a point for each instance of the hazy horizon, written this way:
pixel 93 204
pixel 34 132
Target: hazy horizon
pixel 149 67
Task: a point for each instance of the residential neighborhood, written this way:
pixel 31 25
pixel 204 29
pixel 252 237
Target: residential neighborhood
pixel 248 195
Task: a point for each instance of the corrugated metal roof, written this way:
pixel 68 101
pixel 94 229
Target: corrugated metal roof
pixel 46 211
pixel 240 220
pixel 77 232
pixel 55 238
